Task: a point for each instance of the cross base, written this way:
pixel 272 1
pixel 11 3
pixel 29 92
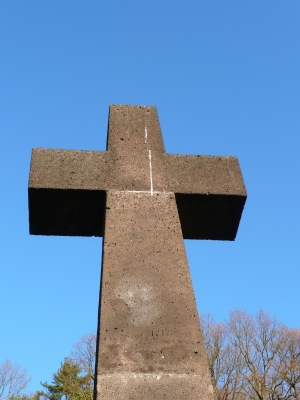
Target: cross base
pixel 137 386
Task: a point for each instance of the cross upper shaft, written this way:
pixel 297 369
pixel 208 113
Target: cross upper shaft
pixel 67 189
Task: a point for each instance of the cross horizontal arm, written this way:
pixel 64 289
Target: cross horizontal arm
pixel 67 192
pixel 210 195
pixel 67 188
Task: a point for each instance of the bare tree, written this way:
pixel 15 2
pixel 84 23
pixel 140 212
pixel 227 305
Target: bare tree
pixel 84 354
pixel 224 359
pixel 13 379
pixel 259 341
pixel 290 366
pixel 252 357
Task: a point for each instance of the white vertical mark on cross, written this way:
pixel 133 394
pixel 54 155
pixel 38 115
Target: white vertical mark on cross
pixel 151 182
pixel 146 134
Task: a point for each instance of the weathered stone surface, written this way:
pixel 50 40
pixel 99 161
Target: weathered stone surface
pixel 159 386
pixel 148 318
pixel 69 169
pixel 143 202
pixel 67 188
pixel 67 191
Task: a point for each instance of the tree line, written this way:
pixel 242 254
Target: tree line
pixel 250 357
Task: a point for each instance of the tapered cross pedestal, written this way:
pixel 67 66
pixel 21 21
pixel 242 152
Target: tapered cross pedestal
pixel 143 202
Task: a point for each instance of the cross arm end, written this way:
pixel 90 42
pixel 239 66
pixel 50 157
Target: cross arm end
pixel 66 192
pixel 210 195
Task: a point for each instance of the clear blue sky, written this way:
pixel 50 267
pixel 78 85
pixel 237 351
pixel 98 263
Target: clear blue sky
pixel 225 77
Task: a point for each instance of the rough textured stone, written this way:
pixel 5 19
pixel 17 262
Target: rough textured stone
pixel 148 319
pixel 155 386
pixel 143 202
pixel 67 188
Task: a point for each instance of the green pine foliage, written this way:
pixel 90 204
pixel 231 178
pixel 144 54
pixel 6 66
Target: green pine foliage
pixel 69 383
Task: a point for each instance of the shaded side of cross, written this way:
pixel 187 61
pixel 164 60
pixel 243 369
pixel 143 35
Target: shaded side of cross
pixel 143 202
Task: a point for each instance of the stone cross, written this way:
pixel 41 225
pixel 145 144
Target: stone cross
pixel 143 202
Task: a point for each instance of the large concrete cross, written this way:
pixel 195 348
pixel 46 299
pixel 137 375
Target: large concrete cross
pixel 143 202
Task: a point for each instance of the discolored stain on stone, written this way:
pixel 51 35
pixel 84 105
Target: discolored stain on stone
pixel 143 202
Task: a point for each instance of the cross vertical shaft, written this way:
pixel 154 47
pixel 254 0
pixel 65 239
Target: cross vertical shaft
pixel 147 303
pixel 150 344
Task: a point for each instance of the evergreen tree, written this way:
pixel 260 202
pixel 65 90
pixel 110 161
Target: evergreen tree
pixel 69 383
